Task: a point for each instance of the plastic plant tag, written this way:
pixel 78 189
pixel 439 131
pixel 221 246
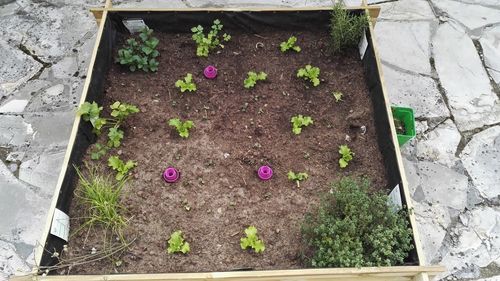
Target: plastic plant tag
pixel 134 25
pixel 363 44
pixel 60 225
pixel 394 199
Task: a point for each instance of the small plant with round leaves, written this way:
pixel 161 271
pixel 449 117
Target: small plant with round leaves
pixel 177 244
pixel 252 240
pixel 297 177
pixel 290 45
pixel 338 96
pixel 300 121
pixel 140 55
pixel 346 154
pixel 205 44
pixel 181 127
pixel 122 168
pixel 187 84
pixel 253 77
pixel 310 73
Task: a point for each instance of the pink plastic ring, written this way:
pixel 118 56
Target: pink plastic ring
pixel 171 175
pixel 265 172
pixel 210 72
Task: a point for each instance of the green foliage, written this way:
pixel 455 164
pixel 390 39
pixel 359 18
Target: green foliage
pixel 140 55
pixel 252 79
pixel 90 112
pixel 300 121
pixel 176 243
pixel 187 84
pixel 353 228
pixel 122 110
pixel 120 167
pixel 309 73
pixel 338 96
pixel 297 177
pixel 115 136
pixel 346 29
pixel 181 127
pixel 205 44
pixel 101 196
pixel 98 151
pixel 347 155
pixel 289 44
pixel 252 240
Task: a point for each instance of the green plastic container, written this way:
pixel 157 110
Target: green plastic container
pixel 405 115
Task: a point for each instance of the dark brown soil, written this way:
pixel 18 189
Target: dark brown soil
pixel 237 130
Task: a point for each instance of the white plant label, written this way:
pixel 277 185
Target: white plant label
pixel 363 44
pixel 394 199
pixel 134 25
pixel 60 225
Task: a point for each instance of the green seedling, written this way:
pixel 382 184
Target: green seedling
pixel 98 151
pixel 338 96
pixel 140 55
pixel 347 155
pixel 115 137
pixel 122 169
pixel 121 110
pixel 90 112
pixel 309 73
pixel 300 121
pixel 297 177
pixel 177 244
pixel 181 127
pixel 289 44
pixel 252 240
pixel 187 84
pixel 205 44
pixel 252 79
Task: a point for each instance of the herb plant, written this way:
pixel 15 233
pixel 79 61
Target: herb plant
pixel 181 127
pixel 347 155
pixel 252 79
pixel 355 228
pixel 338 96
pixel 289 44
pixel 187 84
pixel 297 177
pixel 212 40
pixel 300 121
pixel 122 169
pixel 91 112
pixel 309 73
pixel 346 29
pixel 177 244
pixel 140 55
pixel 252 240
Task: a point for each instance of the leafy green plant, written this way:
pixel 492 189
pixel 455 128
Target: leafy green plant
pixel 90 112
pixel 122 169
pixel 101 196
pixel 346 28
pixel 98 151
pixel 300 121
pixel 177 244
pixel 187 84
pixel 115 136
pixel 181 127
pixel 347 155
pixel 252 79
pixel 309 73
pixel 338 96
pixel 121 110
pixel 353 228
pixel 252 240
pixel 297 177
pixel 290 44
pixel 205 44
pixel 140 55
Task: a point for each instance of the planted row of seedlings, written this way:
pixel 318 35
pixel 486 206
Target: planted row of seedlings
pixel 351 226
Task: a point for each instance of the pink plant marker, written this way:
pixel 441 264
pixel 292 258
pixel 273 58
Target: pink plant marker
pixel 210 72
pixel 265 172
pixel 171 175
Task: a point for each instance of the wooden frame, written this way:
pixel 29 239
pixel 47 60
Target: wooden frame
pixel 396 273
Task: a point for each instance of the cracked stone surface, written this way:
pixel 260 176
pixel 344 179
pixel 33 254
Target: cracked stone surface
pixel 438 57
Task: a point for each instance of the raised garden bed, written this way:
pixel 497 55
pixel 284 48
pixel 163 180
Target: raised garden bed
pixel 236 131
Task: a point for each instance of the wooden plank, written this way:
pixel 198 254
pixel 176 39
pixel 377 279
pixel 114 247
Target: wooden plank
pixel 243 9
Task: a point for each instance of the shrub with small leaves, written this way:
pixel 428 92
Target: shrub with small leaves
pixel 346 28
pixel 347 155
pixel 187 84
pixel 181 127
pixel 353 228
pixel 177 244
pixel 212 40
pixel 253 77
pixel 338 96
pixel 122 169
pixel 140 55
pixel 309 73
pixel 297 177
pixel 300 121
pixel 252 240
pixel 290 44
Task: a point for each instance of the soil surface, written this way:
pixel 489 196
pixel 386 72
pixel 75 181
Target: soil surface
pixel 236 131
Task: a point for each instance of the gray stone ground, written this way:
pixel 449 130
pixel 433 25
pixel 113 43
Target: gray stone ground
pixel 441 57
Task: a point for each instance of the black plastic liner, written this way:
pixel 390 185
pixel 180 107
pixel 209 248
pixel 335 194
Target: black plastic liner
pixel 181 22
